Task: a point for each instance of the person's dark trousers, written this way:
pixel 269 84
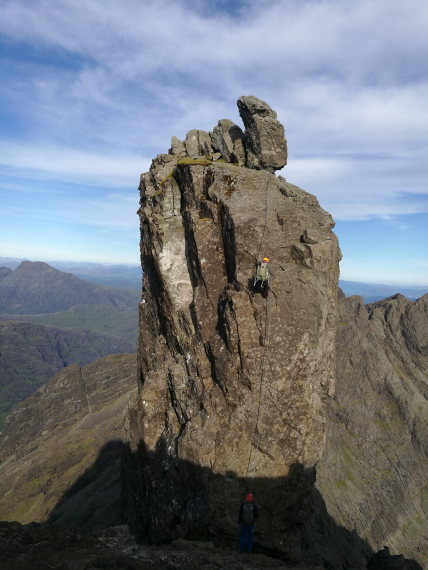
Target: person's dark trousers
pixel 246 538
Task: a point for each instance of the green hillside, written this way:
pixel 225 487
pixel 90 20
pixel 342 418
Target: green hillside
pixel 30 354
pixel 103 319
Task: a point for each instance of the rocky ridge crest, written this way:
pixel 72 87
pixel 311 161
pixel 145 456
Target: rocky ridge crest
pixel 373 471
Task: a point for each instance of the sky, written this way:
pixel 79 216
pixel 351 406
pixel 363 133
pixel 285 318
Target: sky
pixel 91 91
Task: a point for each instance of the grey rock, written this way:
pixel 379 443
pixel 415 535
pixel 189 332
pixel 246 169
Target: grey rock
pixel 311 236
pixel 178 148
pixel 265 135
pixel 198 143
pixel 35 547
pixel 383 560
pixel 219 360
pixel 373 471
pixel 228 138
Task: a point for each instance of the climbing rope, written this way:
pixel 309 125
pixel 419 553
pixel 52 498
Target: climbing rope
pixel 262 378
pixel 262 239
pixel 266 339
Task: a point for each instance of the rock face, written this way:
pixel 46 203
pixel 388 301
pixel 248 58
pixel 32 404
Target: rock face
pixel 61 448
pixel 267 147
pixel 262 146
pixel 234 380
pixel 373 472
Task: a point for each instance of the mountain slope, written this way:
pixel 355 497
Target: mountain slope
pixel 103 319
pixel 36 287
pixel 54 438
pixel 31 354
pixel 373 471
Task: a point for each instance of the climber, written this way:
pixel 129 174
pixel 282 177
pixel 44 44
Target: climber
pixel 262 274
pixel 248 513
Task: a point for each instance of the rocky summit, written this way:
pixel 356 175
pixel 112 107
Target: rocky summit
pixel 234 376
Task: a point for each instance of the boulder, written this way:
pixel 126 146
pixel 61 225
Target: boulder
pixel 265 136
pixel 228 138
pixel 178 148
pixel 198 143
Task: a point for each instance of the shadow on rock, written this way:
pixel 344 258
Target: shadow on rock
pixel 163 498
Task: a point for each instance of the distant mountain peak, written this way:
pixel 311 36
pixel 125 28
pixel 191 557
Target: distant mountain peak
pixel 39 267
pixel 4 271
pixel 37 287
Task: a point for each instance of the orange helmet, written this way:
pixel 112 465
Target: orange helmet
pixel 266 259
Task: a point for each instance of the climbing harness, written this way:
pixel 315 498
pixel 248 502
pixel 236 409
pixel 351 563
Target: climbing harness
pixel 262 274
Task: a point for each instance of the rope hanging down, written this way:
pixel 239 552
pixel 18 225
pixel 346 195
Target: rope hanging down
pixel 262 239
pixel 265 340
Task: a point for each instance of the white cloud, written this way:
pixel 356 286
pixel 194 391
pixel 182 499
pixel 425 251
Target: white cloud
pixel 72 164
pixel 363 187
pixel 62 251
pixel 115 211
pixel 109 86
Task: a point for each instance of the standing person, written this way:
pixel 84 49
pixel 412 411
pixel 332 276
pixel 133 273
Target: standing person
pixel 248 513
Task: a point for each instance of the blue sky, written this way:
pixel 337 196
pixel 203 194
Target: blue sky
pixel 91 91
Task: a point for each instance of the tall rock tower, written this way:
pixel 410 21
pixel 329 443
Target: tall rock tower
pixel 234 378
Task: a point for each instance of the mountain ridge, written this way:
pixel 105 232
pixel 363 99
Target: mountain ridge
pixel 53 438
pixel 37 287
pixel 31 354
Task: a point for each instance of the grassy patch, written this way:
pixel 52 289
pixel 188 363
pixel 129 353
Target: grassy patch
pixel 409 528
pixel 3 416
pixel 103 319
pixel 382 424
pixel 348 456
pixel 204 160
